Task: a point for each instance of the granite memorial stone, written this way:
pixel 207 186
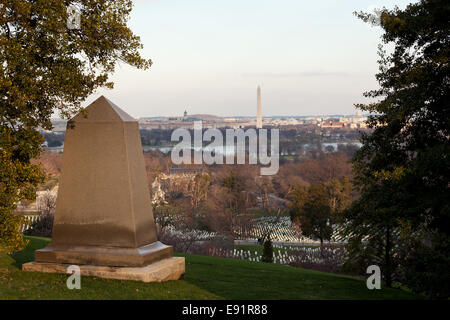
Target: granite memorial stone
pixel 103 220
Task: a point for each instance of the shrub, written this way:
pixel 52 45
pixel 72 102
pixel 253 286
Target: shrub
pixel 41 227
pixel 10 232
pixel 267 255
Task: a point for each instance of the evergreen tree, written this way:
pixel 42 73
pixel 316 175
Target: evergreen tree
pixel 267 255
pixel 402 219
pixel 316 208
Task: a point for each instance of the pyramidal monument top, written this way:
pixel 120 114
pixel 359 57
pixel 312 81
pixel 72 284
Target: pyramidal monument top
pixel 103 110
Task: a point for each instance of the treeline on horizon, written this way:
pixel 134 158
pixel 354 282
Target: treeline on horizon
pixel 290 138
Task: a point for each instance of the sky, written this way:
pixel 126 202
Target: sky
pixel 209 56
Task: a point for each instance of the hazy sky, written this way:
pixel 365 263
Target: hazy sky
pixel 310 57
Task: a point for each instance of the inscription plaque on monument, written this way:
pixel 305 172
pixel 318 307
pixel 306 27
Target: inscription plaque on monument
pixel 103 220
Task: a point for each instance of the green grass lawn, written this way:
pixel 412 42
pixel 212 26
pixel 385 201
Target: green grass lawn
pixel 206 278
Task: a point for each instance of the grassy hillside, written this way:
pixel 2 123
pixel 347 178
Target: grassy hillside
pixel 206 278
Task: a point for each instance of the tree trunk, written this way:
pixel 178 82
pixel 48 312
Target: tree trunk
pixel 321 246
pixel 387 258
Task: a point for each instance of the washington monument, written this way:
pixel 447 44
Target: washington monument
pixel 258 111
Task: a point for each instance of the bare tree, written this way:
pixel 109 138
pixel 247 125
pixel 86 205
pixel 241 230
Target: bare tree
pixel 198 189
pixel 46 203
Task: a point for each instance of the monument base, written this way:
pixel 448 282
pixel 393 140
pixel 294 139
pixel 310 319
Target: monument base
pixel 104 256
pixel 168 269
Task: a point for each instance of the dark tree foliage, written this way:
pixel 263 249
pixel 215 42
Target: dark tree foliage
pixel 402 219
pixel 315 209
pixel 41 227
pixel 312 211
pixel 267 255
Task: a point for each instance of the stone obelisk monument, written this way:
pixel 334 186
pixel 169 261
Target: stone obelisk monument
pixel 258 110
pixel 103 220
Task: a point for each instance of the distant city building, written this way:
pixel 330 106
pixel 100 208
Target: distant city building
pixel 209 121
pixel 331 124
